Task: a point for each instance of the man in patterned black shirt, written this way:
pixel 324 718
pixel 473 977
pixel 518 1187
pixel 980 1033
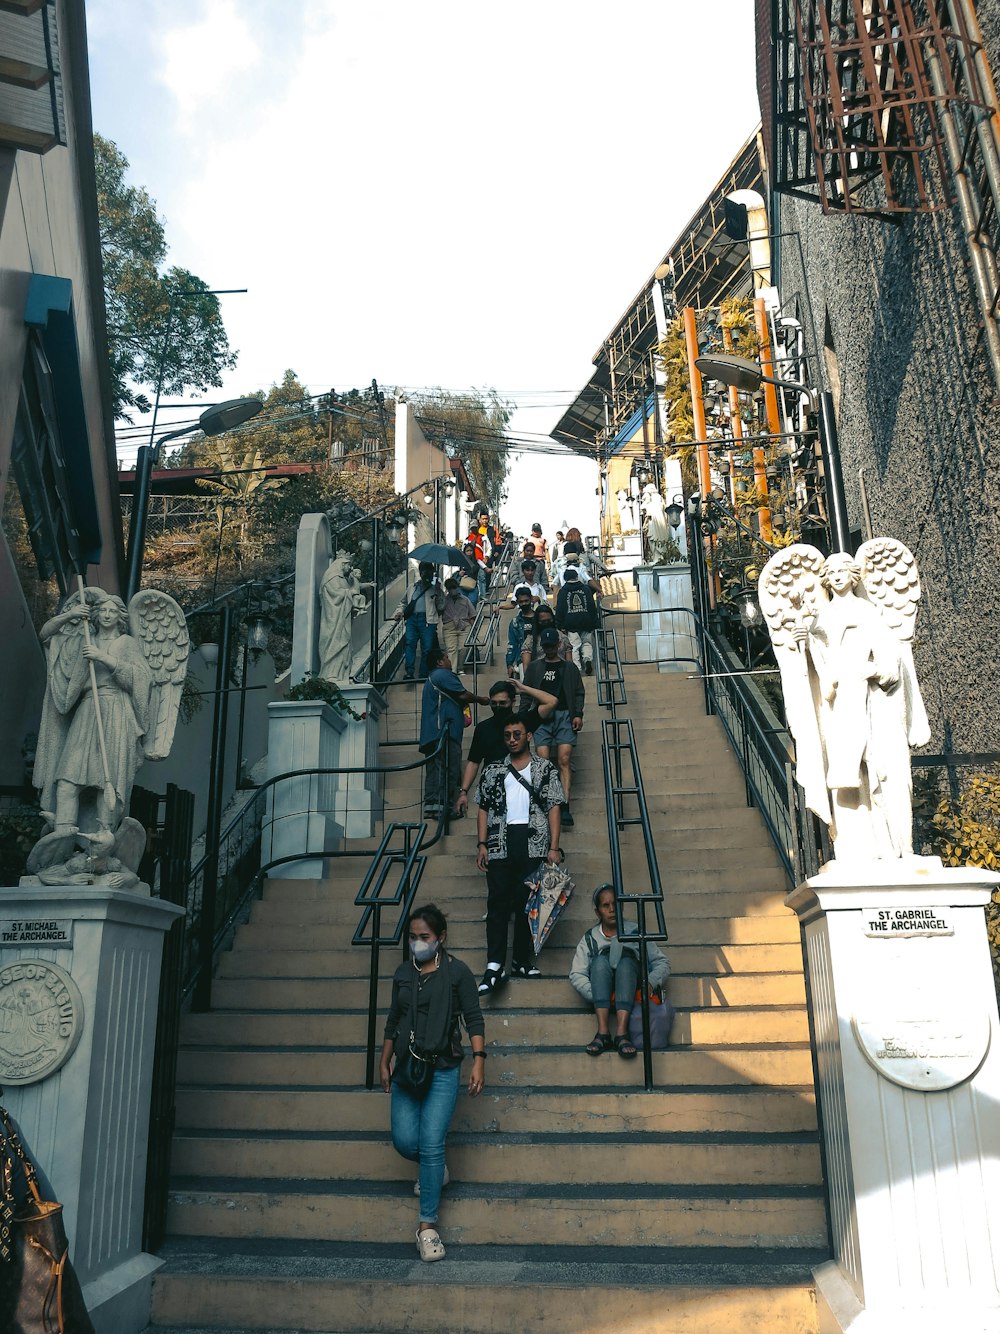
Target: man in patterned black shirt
pixel 520 814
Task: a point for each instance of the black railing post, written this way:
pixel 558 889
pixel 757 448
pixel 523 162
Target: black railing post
pixel 373 995
pixel 202 999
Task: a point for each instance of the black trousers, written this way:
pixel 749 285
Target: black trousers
pixel 507 893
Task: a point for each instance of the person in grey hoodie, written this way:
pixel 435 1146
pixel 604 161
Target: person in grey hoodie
pixel 604 963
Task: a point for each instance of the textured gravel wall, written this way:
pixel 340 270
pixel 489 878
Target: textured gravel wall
pixel 920 413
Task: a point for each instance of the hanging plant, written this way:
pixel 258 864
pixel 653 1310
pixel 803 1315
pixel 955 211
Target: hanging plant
pixel 319 688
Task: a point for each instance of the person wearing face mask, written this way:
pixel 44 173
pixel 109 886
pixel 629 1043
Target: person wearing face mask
pixel 531 651
pixel 519 626
pixel 431 991
pixel 488 744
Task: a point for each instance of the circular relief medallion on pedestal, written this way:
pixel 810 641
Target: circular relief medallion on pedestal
pixel 41 1019
pixel 928 1054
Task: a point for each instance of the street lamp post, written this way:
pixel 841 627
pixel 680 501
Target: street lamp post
pixel 746 376
pixel 213 421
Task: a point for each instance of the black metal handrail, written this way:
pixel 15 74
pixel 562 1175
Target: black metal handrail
pixel 410 860
pixel 620 754
pixel 239 850
pixel 620 751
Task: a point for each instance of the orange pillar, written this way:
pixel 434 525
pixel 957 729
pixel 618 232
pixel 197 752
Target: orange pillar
pixel 697 402
pixel 774 424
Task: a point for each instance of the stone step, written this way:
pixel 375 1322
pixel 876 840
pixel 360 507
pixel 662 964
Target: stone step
pixel 700 917
pixel 695 960
pixel 584 1106
pixel 504 1214
pixel 663 1159
pixel 281 1287
pixel 570 1027
pixel 587 867
pixel 684 992
pixel 787 1063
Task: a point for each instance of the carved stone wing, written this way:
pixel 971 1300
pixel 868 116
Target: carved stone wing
pixel 789 591
pixel 158 626
pixel 892 582
pixel 890 577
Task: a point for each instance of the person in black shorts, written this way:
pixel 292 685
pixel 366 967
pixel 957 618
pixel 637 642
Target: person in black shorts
pixel 487 740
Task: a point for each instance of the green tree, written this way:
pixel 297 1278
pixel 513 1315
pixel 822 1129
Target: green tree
pixel 473 427
pixel 155 316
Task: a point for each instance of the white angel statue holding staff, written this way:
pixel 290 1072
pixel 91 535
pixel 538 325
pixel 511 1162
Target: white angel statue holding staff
pixel 113 690
pixel 841 628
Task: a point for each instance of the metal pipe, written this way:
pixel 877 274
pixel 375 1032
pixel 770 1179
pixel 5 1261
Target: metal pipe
pixel 144 459
pixel 697 401
pixel 836 500
pixel 202 999
pixel 984 268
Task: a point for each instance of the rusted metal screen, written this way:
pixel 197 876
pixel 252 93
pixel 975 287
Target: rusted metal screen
pixel 859 87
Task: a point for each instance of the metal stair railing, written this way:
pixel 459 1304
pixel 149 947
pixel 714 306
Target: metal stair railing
pixel 623 785
pixel 409 861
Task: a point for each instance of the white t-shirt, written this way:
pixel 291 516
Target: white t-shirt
pixel 518 800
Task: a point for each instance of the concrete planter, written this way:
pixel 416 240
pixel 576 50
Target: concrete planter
pixel 300 817
pixel 667 632
pixel 358 801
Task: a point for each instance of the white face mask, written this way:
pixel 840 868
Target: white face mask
pixel 422 951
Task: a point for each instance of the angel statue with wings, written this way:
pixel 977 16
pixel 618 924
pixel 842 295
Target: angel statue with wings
pixel 842 628
pixel 113 690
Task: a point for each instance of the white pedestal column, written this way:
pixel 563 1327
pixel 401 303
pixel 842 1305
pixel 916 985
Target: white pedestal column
pixel 358 803
pixel 668 631
pixel 907 1045
pixel 301 811
pixel 87 1122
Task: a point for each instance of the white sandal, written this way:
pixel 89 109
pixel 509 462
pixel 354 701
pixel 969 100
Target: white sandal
pixel 429 1245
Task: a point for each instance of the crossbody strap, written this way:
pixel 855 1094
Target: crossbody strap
pixel 527 786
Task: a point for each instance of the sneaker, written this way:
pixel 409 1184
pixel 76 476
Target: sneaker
pixel 447 1178
pixel 567 816
pixel 525 970
pixel 588 667
pixel 492 979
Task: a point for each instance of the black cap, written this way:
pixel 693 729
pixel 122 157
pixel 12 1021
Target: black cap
pixel 571 572
pixel 550 635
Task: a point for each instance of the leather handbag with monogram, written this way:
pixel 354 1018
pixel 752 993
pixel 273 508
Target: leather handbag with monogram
pixel 39 1290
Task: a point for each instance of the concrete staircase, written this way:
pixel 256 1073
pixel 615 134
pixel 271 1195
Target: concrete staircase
pixel 579 1202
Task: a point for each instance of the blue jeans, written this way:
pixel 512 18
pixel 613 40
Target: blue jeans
pixel 417 630
pixel 622 981
pixel 419 1131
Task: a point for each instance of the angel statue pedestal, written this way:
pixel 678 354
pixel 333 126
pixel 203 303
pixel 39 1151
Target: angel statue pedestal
pixel 901 996
pixel 81 940
pixel 79 986
pixel 905 1031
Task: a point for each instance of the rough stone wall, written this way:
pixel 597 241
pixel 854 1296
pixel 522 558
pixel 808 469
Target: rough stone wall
pixel 920 412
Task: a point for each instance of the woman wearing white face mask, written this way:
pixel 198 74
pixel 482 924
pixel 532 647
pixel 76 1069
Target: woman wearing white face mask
pixel 429 993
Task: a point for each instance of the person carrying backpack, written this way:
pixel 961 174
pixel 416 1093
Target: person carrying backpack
pixel 577 614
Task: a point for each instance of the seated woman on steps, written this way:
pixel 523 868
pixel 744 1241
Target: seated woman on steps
pixel 429 993
pixel 605 963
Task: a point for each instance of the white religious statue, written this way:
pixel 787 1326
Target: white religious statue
pixel 114 682
pixel 842 629
pixel 341 599
pixel 662 543
pixel 628 511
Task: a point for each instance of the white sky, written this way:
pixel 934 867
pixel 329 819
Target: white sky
pixel 443 193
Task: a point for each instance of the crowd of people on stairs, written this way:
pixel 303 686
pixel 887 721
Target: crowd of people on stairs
pixel 519 769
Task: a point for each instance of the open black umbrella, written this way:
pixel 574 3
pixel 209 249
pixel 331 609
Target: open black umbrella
pixel 438 553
